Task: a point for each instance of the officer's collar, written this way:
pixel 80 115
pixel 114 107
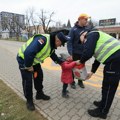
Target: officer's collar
pixel 52 44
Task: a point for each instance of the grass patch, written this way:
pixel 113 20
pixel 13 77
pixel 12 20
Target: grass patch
pixel 12 107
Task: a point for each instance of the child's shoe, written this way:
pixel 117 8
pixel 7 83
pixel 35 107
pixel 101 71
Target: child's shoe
pixel 65 94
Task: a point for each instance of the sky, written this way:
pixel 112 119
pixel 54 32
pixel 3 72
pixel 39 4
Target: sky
pixel 66 9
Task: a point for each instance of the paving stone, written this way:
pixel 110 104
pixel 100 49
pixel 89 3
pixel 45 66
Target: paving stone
pixel 47 111
pixel 84 100
pixel 69 101
pixel 87 105
pixel 81 112
pixel 61 100
pixel 113 117
pixel 53 112
pixel 75 117
pixel 60 107
pixel 45 106
pixel 70 105
pixel 79 105
pixel 116 111
pixel 72 112
pixel 118 105
pixel 85 117
pixel 53 106
pixel 56 117
pixel 63 112
pixel 77 100
pixel 65 118
pixel 92 118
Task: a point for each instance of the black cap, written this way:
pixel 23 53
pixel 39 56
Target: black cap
pixel 62 38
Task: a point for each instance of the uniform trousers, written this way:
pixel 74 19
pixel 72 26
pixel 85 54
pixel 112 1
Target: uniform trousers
pixel 111 77
pixel 28 78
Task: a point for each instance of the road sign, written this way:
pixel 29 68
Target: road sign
pixel 106 22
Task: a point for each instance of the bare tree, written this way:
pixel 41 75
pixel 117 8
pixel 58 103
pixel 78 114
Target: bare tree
pixel 6 24
pixel 17 26
pixel 68 24
pixel 32 24
pixel 45 19
pixel 34 21
pixel 28 18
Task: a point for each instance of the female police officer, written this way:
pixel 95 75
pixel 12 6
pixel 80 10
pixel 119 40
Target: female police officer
pixel 29 57
pixel 106 50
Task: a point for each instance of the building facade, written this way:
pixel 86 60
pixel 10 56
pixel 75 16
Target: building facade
pixel 11 24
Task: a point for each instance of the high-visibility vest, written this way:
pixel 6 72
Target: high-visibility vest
pixel 40 56
pixel 105 46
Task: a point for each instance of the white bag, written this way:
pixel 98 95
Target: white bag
pixel 64 55
pixel 80 72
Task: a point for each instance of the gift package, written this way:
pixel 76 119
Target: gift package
pixel 80 72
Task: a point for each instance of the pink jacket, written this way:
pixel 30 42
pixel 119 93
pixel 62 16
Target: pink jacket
pixel 66 76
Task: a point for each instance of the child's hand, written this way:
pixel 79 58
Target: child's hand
pixel 69 58
pixel 77 62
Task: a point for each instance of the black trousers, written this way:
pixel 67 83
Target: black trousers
pixel 28 78
pixel 110 84
pixel 64 87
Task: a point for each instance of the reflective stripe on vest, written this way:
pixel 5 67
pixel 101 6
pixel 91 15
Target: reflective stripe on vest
pixel 44 53
pixel 105 47
pixel 102 46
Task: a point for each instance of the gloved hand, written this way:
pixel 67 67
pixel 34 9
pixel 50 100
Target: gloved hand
pixel 35 74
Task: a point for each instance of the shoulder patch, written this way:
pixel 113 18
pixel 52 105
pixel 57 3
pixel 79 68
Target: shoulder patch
pixel 41 41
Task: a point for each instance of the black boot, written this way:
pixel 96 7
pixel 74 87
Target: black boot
pixel 30 105
pixel 80 83
pixel 41 95
pixel 97 113
pixel 97 103
pixel 73 86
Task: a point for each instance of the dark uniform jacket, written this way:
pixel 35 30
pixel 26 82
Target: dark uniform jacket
pixel 33 49
pixel 89 48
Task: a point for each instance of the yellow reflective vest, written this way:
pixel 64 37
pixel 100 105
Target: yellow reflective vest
pixel 105 46
pixel 40 56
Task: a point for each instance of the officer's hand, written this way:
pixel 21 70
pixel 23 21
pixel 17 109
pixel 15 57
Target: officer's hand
pixel 89 75
pixel 30 69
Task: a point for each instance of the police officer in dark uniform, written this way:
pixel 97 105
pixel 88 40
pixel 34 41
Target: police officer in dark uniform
pixel 29 57
pixel 75 49
pixel 106 50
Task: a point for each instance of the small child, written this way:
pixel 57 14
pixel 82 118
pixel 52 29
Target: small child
pixel 66 76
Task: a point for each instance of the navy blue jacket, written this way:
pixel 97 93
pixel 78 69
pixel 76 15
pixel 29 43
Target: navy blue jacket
pixel 33 49
pixel 89 48
pixel 72 45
